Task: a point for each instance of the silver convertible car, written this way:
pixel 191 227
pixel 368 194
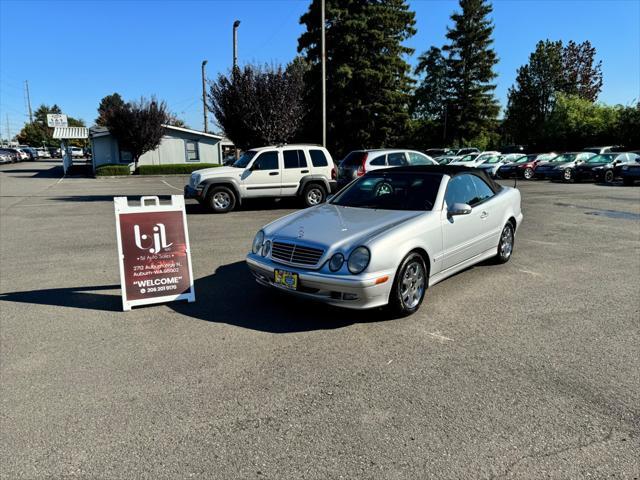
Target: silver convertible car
pixel 388 236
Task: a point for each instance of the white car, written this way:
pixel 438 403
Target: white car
pixel 24 156
pixel 359 162
pixel 77 152
pixel 494 162
pixel 305 171
pixel 388 236
pixel 474 159
pixel 43 153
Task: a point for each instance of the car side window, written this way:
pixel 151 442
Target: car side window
pixel 294 159
pixel 266 161
pixel 418 159
pixel 460 190
pixel 483 191
pixel 396 159
pixel 378 161
pixel 318 158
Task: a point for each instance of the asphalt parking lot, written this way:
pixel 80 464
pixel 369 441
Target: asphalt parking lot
pixel 526 370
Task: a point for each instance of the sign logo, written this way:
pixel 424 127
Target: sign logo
pixel 301 232
pixel 159 238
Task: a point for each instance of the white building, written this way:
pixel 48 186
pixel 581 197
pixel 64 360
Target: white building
pixel 178 145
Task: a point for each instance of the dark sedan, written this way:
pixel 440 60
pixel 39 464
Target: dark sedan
pixel 630 174
pixel 589 169
pixel 611 171
pixel 525 166
pixel 548 169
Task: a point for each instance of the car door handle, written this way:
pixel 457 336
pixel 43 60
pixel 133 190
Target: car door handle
pixel 274 173
pixel 304 171
pixel 484 214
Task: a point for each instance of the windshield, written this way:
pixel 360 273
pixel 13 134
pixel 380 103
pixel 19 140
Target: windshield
pixel 601 159
pixel 392 191
pixel 495 159
pixel 467 158
pixel 244 160
pixel 564 158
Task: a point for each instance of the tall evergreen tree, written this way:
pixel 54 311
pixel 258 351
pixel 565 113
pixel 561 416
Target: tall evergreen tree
pixel 368 83
pixel 110 101
pixel 431 95
pixel 583 75
pixel 471 59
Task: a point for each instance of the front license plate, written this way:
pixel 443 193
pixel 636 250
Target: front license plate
pixel 286 279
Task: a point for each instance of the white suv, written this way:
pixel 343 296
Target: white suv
pixel 359 162
pixel 305 171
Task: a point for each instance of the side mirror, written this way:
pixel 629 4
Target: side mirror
pixel 459 209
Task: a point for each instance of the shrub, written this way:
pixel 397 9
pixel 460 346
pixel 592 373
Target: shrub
pixel 112 169
pixel 173 168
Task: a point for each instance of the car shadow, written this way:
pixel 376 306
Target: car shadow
pixel 250 205
pixel 75 297
pixel 53 172
pixel 231 295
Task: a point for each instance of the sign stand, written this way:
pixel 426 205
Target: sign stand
pixel 153 251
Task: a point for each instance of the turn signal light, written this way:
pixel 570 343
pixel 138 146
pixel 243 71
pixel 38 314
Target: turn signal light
pixel 382 279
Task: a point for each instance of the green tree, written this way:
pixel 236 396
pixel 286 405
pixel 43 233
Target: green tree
pixel 259 106
pixel 38 133
pixel 138 126
pixel 110 101
pixel 473 107
pixel 368 82
pixel 628 128
pixel 431 95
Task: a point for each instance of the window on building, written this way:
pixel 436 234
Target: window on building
pixel 192 151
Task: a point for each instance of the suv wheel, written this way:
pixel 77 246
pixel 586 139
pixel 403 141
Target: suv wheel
pixel 313 194
pixel 221 200
pixel 409 286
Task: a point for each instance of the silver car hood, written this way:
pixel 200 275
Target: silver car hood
pixel 336 226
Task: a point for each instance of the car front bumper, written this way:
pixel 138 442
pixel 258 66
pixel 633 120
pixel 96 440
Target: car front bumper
pixel 349 291
pixel 190 192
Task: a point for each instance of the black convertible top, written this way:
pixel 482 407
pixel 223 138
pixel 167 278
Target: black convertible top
pixel 451 170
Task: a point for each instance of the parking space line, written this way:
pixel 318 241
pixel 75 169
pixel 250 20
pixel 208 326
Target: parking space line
pixel 169 185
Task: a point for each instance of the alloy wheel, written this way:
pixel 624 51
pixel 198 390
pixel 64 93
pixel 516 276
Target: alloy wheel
pixel 314 196
pixel 221 200
pixel 412 284
pixel 506 243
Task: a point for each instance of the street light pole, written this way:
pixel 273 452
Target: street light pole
pixel 204 97
pixel 324 80
pixel 236 24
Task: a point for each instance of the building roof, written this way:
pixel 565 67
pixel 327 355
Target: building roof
pixel 100 131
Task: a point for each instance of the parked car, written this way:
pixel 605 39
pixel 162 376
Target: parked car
pixel 588 170
pixel 630 174
pixel 437 152
pixel 388 236
pixel 525 166
pixel 5 157
pixel 304 171
pixel 466 151
pixel 493 163
pixel 474 159
pixel 546 169
pixel 12 153
pixel 359 162
pixel 43 153
pixel 611 171
pixel 23 154
pixel 446 159
pixel 77 152
pixel 599 150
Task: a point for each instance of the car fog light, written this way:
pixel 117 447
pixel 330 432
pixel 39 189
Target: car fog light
pixel 359 260
pixel 336 262
pixel 257 242
pixel 266 248
pixel 349 296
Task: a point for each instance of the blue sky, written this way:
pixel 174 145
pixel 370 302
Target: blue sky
pixel 75 52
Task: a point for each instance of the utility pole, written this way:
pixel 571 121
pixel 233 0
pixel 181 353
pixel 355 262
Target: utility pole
pixel 324 80
pixel 8 132
pixel 26 84
pixel 204 98
pixel 236 24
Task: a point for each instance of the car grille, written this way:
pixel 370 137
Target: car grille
pixel 296 254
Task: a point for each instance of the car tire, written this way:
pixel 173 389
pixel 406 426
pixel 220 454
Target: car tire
pixel 609 176
pixel 505 245
pixel 221 200
pixel 313 194
pixel 567 175
pixel 528 173
pixel 409 286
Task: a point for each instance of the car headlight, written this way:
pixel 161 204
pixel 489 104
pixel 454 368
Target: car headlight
pixel 358 260
pixel 266 248
pixel 336 262
pixel 625 168
pixel 257 242
pixel 195 179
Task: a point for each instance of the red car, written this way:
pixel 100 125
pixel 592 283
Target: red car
pixel 525 166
